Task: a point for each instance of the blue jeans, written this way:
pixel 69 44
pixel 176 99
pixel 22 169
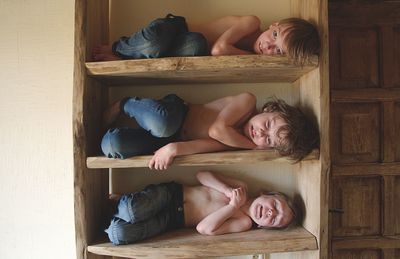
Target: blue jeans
pixel 160 122
pixel 156 209
pixel 163 37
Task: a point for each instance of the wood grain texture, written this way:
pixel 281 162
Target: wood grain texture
pixel 218 158
pixel 90 191
pixel 215 69
pixel 312 177
pixel 187 243
pixel 365 243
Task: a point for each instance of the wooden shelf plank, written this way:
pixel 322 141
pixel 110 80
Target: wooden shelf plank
pixel 218 158
pixel 209 69
pixel 187 243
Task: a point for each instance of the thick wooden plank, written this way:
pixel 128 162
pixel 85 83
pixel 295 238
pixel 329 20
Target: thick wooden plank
pixel 364 95
pixel 366 242
pixel 366 169
pixel 187 243
pixel 90 190
pixel 220 69
pixel 219 158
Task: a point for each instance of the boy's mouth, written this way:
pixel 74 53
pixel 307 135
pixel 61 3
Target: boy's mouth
pixel 259 212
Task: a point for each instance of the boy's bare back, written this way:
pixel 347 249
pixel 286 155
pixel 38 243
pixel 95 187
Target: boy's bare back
pixel 243 31
pixel 200 117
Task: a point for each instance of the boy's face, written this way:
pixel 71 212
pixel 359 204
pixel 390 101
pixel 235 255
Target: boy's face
pixel 271 211
pixel 263 128
pixel 271 42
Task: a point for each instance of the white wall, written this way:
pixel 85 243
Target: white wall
pixel 36 71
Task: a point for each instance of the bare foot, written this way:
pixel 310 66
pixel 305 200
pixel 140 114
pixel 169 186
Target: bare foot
pixel 114 197
pixel 112 113
pixel 104 53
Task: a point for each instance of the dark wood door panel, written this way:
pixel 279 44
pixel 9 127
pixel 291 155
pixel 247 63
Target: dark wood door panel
pixel 358 254
pixel 356 132
pixel 395 202
pixel 360 200
pixel 390 55
pixel 396 131
pixel 354 57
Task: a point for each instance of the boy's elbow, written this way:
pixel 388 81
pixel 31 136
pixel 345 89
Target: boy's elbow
pixel 215 132
pixel 204 230
pixel 218 49
pixel 202 175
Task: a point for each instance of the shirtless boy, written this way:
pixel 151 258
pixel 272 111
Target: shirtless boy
pixel 229 35
pixel 218 206
pixel 169 127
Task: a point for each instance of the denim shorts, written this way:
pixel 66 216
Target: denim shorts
pixel 163 37
pixel 160 123
pixel 156 209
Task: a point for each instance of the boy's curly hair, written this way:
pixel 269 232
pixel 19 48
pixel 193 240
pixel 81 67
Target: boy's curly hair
pixel 299 136
pixel 302 40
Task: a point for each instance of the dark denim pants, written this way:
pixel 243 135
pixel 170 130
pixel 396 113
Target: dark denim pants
pixel 163 37
pixel 156 209
pixel 160 122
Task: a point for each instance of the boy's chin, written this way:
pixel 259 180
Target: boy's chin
pixel 262 148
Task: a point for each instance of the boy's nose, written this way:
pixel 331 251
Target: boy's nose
pixel 260 133
pixel 271 212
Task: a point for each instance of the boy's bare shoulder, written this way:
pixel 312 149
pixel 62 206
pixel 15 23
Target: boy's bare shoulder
pixel 213 29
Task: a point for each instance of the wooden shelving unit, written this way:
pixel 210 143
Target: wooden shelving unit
pixel 218 158
pixel 91 180
pixel 210 69
pixel 187 243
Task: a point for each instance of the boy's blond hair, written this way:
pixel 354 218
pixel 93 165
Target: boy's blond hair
pixel 294 209
pixel 302 40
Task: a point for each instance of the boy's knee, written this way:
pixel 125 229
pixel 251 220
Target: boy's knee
pixel 112 144
pixel 119 232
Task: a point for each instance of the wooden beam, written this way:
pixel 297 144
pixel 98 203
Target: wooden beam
pixel 366 95
pixel 187 243
pixel 219 158
pixel 366 243
pixel 366 169
pixel 209 69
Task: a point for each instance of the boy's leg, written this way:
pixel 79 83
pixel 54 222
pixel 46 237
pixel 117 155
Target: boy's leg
pixel 161 118
pixel 189 44
pixel 154 210
pixel 121 232
pixel 153 41
pixel 126 142
pixel 146 204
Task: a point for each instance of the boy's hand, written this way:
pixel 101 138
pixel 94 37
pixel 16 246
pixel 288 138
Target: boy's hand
pixel 163 157
pixel 239 197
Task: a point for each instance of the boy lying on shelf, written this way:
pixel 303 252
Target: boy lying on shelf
pixel 230 35
pixel 170 127
pixel 218 206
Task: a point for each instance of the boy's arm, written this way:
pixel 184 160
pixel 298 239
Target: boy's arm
pixel 220 183
pixel 239 28
pixel 224 219
pixel 164 156
pixel 239 110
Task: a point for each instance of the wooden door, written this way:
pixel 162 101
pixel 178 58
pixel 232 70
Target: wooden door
pixel 365 129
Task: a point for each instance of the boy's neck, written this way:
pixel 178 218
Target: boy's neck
pixel 246 207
